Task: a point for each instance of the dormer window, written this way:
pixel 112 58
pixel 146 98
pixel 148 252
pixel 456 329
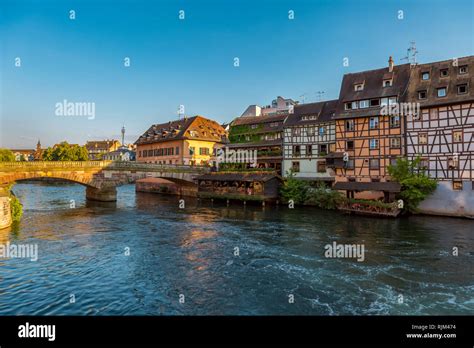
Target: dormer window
pixel 387 82
pixel 443 73
pixel 463 70
pixel 422 94
pixel 374 102
pixel 441 92
pixel 352 105
pixel 425 75
pixel 363 104
pixel 462 89
pixel 358 87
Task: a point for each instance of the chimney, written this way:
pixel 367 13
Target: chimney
pixel 390 64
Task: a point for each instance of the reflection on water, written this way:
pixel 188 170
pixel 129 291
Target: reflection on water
pixel 191 251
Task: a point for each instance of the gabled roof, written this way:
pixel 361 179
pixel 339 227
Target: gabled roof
pixel 196 128
pixel 436 81
pixel 258 119
pixel 312 113
pixel 101 144
pixel 373 88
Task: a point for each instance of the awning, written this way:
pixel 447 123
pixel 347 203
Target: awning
pixel 335 155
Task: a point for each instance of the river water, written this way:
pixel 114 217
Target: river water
pixel 144 254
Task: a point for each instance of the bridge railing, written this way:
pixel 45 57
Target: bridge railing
pixel 55 164
pixel 125 165
pixel 111 165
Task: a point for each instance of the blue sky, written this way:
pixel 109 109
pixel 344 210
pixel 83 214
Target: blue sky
pixel 191 61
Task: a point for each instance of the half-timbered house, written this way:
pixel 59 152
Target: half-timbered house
pixel 442 135
pixel 309 135
pixel 369 127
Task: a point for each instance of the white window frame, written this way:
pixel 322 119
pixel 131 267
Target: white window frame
pixel 373 141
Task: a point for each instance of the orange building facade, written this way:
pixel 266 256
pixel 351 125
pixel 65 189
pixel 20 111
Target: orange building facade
pixel 370 129
pixel 189 141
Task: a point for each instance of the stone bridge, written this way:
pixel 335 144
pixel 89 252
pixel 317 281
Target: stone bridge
pixel 100 177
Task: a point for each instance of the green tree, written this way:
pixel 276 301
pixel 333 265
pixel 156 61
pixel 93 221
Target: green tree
pixel 294 189
pixel 416 185
pixel 6 156
pixel 65 152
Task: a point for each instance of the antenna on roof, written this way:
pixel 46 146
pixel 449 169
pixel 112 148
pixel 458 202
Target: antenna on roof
pixel 320 95
pixel 411 53
pixel 180 111
pixel 303 98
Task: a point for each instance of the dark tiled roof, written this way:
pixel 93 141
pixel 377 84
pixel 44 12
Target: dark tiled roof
pixel 258 119
pixel 172 130
pixel 436 81
pixel 323 111
pixel 373 89
pixel 263 177
pixel 368 186
pixel 204 129
pixel 100 144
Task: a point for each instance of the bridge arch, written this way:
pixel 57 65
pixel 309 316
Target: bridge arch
pixel 65 176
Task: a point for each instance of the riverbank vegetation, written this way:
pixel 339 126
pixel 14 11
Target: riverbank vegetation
pixel 16 208
pixel 302 193
pixel 416 184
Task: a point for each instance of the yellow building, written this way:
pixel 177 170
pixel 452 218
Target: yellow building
pixel 189 141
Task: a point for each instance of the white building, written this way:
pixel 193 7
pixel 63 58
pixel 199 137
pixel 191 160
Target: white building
pixel 309 135
pixel 442 135
pixel 279 105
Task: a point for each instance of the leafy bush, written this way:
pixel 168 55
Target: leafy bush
pixel 16 209
pixel 416 185
pixel 294 189
pixel 324 197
